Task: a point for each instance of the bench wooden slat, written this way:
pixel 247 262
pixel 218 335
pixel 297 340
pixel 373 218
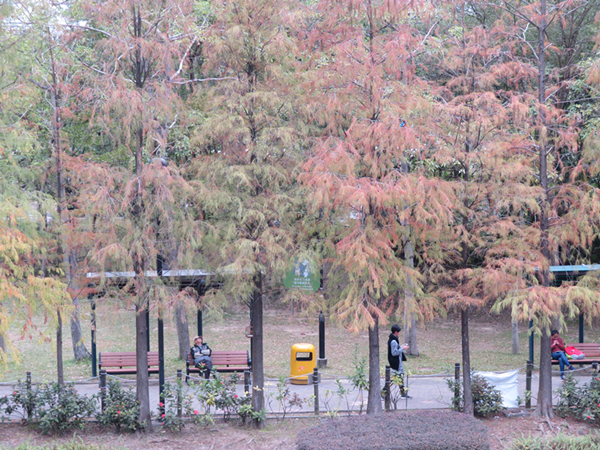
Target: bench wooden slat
pixel 224 361
pixel 125 362
pixel 591 351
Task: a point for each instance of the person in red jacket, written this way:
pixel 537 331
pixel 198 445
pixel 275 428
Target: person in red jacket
pixel 559 352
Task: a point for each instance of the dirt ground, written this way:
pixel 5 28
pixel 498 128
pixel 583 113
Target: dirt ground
pixel 276 436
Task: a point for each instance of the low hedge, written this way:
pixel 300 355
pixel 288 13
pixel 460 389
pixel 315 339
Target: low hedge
pixel 412 430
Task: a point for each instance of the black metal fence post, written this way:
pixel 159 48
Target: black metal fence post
pixel 457 384
pixel 161 364
pixel 102 389
pixel 316 387
pixel 247 382
pixel 387 387
pixel 321 361
pixel 179 388
pixel 94 361
pixel 528 384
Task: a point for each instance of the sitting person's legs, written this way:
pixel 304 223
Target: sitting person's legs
pixel 562 361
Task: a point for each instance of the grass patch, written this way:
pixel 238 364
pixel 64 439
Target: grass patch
pixel 75 444
pixel 558 442
pixel 439 343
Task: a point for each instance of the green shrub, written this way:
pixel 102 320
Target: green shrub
pixel 23 401
pixel 558 442
pixel 582 402
pixel 486 399
pixel 220 393
pixel 121 408
pixel 63 408
pixel 412 430
pixel 51 406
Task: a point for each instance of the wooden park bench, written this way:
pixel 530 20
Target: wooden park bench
pixel 124 363
pixel 224 361
pixel 590 350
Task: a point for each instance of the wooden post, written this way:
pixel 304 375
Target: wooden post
pixel 528 384
pixel 387 387
pixel 316 386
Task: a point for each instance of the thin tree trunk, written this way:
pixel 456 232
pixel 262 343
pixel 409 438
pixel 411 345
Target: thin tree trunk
pixel 544 404
pixel 183 331
pixel 374 399
pixel 60 374
pixel 410 331
pixel 80 352
pixel 466 359
pixel 258 380
pixel 69 261
pixel 141 351
pixel 544 398
pixel 515 337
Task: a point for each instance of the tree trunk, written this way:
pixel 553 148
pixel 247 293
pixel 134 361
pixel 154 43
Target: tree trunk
pixel 374 400
pixel 258 380
pixel 544 398
pixel 80 352
pixel 410 331
pixel 515 337
pixel 544 405
pixel 141 351
pixel 69 260
pixel 183 331
pixel 60 374
pixel 466 359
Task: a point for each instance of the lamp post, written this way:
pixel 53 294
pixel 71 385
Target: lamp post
pixel 321 361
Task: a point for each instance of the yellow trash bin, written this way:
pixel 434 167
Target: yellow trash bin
pixel 303 363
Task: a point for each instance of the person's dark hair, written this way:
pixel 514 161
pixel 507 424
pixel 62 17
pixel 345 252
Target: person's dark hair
pixel 396 328
pixel 553 332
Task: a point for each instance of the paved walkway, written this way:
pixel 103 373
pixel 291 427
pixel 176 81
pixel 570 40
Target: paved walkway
pixel 427 392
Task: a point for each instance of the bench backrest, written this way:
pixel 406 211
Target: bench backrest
pixel 590 350
pixel 125 359
pixel 226 358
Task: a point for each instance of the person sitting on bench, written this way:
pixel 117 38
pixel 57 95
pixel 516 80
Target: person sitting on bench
pixel 558 351
pixel 201 353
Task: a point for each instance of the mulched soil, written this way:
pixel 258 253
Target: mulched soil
pixel 276 436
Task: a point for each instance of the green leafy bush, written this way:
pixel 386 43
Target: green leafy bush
pixel 168 410
pixel 582 402
pixel 220 393
pixel 412 430
pixel 23 401
pixel 51 407
pixel 558 442
pixel 486 399
pixel 121 408
pixel 61 408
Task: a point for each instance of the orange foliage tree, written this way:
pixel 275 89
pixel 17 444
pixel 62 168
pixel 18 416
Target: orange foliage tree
pixel 363 177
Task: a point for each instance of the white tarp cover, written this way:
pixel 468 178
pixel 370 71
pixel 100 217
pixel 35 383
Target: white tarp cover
pixel 505 382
